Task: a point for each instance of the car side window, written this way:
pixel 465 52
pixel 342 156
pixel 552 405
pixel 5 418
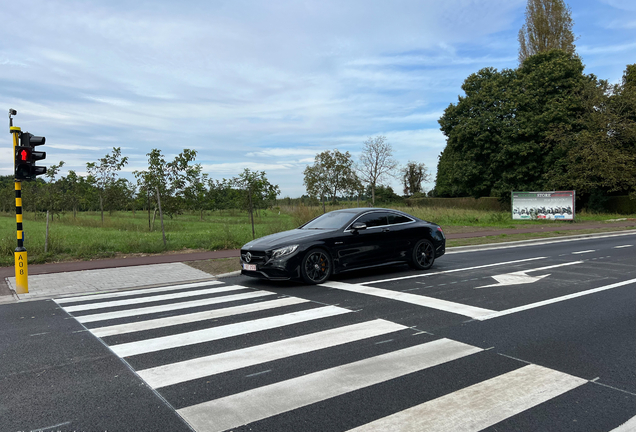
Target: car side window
pixel 395 218
pixel 373 219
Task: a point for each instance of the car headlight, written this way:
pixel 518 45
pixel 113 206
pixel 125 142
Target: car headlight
pixel 277 253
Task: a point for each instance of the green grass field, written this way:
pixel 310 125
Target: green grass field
pixel 124 233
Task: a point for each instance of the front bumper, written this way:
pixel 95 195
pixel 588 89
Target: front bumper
pixel 284 268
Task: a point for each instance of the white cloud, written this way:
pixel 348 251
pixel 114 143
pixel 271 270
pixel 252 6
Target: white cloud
pixel 109 101
pixel 238 167
pixel 262 85
pixel 73 147
pixel 606 49
pixel 12 62
pixel 284 152
pixel 627 5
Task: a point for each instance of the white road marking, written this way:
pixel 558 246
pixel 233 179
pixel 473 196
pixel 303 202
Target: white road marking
pixel 524 243
pixel 222 332
pixel 517 278
pixel 583 252
pixel 249 406
pixel 481 405
pixel 258 373
pixel 188 370
pixel 555 300
pixel 450 271
pixel 194 317
pixel 89 297
pixel 431 302
pixel 622 246
pixel 51 427
pixel 173 296
pixel 520 277
pixel 629 426
pixel 170 307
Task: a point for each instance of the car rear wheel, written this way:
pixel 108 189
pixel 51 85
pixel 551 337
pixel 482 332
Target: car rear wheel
pixel 316 266
pixel 423 255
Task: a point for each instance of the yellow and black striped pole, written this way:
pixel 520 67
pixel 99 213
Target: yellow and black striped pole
pixel 21 266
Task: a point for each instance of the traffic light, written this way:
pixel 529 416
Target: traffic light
pixel 26 156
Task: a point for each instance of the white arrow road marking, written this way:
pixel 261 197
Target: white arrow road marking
pixel 521 277
pixel 517 278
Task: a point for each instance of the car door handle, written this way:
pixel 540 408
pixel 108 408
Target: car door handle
pixel 386 230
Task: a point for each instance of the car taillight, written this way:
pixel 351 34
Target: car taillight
pixel 441 231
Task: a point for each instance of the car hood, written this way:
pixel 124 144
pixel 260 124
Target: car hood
pixel 283 239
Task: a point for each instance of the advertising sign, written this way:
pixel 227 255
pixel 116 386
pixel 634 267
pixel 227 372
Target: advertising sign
pixel 543 205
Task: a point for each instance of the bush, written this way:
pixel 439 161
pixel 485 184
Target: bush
pixel 621 205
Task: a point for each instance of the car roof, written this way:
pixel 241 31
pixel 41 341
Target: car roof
pixel 364 209
pixel 360 210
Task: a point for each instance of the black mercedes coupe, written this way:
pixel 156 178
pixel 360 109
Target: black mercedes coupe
pixel 344 240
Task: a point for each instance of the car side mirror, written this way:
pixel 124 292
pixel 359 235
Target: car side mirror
pixel 358 226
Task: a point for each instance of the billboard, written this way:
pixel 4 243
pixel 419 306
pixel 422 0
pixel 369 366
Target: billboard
pixel 543 205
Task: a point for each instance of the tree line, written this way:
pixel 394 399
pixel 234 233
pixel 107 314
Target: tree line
pixel 545 125
pixel 180 185
pixel 173 186
pixel 335 174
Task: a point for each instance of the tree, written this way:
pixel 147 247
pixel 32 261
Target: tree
pixel 498 134
pixel 548 26
pixel 52 198
pixel 75 190
pixel 120 195
pixel 331 173
pixel 164 183
pixel 103 173
pixel 385 195
pixel 7 193
pixel 169 178
pixel 220 194
pixel 195 191
pixel 376 162
pixel 599 150
pixel 258 191
pixel 413 175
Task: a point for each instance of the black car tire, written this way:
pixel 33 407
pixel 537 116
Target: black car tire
pixel 423 255
pixel 316 267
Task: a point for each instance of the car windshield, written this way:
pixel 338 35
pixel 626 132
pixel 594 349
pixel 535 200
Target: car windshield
pixel 329 221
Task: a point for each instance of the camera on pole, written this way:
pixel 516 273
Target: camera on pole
pixel 26 156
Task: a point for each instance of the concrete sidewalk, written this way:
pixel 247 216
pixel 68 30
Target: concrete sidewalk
pixel 119 278
pixel 73 278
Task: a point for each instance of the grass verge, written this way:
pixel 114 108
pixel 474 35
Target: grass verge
pixel 125 233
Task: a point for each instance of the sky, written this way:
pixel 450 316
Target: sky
pixel 264 85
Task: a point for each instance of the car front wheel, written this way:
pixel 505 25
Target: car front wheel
pixel 423 255
pixel 316 266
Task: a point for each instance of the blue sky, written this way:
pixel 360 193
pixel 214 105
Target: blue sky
pixel 264 85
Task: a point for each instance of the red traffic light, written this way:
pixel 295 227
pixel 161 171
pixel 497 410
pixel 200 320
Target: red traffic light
pixel 25 157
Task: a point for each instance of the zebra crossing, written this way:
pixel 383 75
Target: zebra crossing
pixel 225 356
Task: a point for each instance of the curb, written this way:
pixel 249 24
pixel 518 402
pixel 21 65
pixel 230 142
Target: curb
pixel 17 299
pixel 228 275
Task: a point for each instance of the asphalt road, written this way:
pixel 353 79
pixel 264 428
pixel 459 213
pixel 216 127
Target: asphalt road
pixel 539 337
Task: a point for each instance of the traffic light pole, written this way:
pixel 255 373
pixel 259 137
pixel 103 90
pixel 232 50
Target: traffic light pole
pixel 21 265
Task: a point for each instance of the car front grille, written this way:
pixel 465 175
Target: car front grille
pixel 255 257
